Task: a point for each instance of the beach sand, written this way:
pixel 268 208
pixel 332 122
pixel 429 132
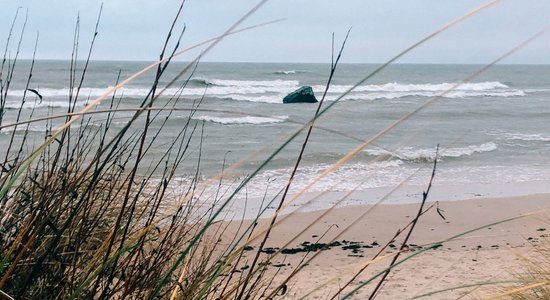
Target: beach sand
pixel 489 254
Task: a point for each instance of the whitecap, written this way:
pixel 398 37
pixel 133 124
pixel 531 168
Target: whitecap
pixel 410 87
pixel 272 91
pixel 253 83
pixel 289 72
pixel 252 120
pixel 428 155
pixel 535 137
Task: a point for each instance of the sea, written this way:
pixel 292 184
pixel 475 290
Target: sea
pixel 493 132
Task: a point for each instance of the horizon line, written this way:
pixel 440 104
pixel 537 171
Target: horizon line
pixel 281 62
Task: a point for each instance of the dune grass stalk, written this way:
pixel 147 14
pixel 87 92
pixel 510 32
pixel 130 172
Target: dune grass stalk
pixel 434 246
pixel 376 71
pixel 211 42
pixel 52 229
pixel 334 64
pixel 103 170
pixel 409 115
pixel 411 229
pixel 531 278
pixel 84 215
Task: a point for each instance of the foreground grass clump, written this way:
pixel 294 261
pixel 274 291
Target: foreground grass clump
pixel 533 275
pixel 84 215
pixel 91 213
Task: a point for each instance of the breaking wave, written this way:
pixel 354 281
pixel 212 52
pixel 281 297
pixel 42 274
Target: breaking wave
pixel 288 72
pixel 246 83
pixel 242 120
pixel 261 92
pixel 428 155
pixel 285 72
pixel 536 137
pixel 272 91
pixel 429 87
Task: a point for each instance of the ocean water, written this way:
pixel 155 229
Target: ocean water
pixel 493 132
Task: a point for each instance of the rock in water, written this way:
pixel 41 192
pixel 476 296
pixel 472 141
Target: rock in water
pixel 301 95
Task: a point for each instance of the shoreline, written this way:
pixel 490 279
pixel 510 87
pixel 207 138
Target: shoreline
pixel 487 254
pixel 405 194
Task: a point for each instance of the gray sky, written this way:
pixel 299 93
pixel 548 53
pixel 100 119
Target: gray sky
pixel 135 29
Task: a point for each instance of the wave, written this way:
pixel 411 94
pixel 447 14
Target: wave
pixel 247 83
pixel 44 104
pixel 451 95
pixel 537 90
pixel 288 72
pixel 278 98
pixel 255 98
pixel 346 178
pixel 272 91
pixel 89 92
pixel 262 95
pixel 428 87
pixel 504 94
pixel 428 155
pixel 285 72
pixel 199 82
pixel 242 120
pixel 23 128
pixel 42 129
pixel 216 87
pixel 388 87
pixel 84 92
pixel 275 94
pixel 536 137
pixel 228 82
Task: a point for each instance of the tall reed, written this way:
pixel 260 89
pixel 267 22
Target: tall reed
pixel 87 213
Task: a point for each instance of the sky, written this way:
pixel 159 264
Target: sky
pixel 136 29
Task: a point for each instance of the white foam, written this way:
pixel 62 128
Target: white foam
pixel 278 98
pixel 64 92
pixel 243 120
pixel 272 91
pixel 504 94
pixel 453 94
pixel 428 155
pixel 253 83
pixel 397 90
pixel 469 150
pixel 266 94
pixel 536 137
pixel 142 92
pixel 407 87
pixel 289 72
pixel 38 128
pixel 536 90
pixel 23 128
pixel 244 88
pixel 346 178
pixel 372 181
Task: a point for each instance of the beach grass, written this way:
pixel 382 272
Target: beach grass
pixel 85 215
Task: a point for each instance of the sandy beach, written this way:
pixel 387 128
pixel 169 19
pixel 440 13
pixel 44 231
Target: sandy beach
pixel 489 254
pixel 143 140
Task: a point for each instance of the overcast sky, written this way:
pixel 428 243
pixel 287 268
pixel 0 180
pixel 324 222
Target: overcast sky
pixel 135 29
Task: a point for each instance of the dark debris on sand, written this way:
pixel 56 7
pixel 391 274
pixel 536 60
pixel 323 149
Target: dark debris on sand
pixel 354 247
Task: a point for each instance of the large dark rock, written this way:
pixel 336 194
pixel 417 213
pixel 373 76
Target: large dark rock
pixel 301 95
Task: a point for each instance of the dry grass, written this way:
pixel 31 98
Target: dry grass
pixel 533 275
pixel 91 213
